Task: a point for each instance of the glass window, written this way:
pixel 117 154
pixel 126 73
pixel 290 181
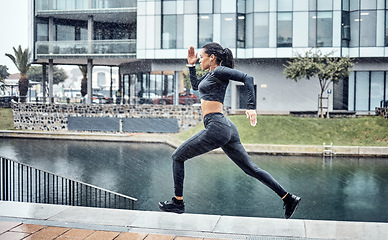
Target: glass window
pixel 351 92
pixel 249 6
pixel 241 6
pixel 386 28
pixel 362 91
pixel 313 5
pixel 42 32
pixel 228 6
pixel 217 6
pixel 262 6
pixel 228 30
pixel 285 5
pixel 354 26
pixel 284 37
pixel 65 33
pixel 376 90
pixel 249 30
pixel 354 5
pixel 169 31
pixel 205 6
pixel 180 26
pixel 205 33
pixel 324 29
pixel 345 5
pixel 368 28
pixel 325 4
pixel 169 7
pixel 42 5
pixel 191 6
pixel 368 4
pixel 241 31
pixel 261 30
pixel 312 29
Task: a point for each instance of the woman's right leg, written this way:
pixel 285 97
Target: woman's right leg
pixel 204 141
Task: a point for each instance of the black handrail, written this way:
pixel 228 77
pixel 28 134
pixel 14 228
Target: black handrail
pixel 23 183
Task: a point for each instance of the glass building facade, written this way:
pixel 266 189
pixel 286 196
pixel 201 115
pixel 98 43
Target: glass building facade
pixel 151 37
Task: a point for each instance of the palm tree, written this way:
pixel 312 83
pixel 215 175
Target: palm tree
pixel 21 62
pixel 84 82
pixel 3 74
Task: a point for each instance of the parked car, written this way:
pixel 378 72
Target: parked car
pixel 184 99
pixel 99 98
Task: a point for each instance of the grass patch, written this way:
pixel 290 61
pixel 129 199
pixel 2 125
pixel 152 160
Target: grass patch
pixel 289 130
pixel 6 119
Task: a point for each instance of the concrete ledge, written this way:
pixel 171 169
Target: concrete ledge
pixel 188 225
pixel 170 139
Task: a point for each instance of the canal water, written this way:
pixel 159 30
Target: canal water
pixel 351 189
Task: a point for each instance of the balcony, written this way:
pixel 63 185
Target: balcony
pixel 44 5
pixel 86 49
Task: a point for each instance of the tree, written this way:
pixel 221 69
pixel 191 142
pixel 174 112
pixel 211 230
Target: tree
pixel 186 77
pixel 84 82
pixel 3 75
pixel 35 73
pixel 20 59
pixel 326 68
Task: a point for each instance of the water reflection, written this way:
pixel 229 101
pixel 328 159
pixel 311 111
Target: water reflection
pixel 338 189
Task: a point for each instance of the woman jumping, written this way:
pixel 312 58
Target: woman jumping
pixel 220 131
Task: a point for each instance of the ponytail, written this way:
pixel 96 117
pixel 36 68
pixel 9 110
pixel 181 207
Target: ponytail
pixel 228 58
pixel 224 55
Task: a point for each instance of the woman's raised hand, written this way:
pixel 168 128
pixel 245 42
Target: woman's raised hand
pixel 252 115
pixel 191 55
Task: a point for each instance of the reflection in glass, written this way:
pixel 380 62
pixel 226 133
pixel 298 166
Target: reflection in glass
pixel 228 30
pixel 320 29
pixel 376 89
pixel 169 32
pixel 285 5
pixel 241 31
pixel 368 28
pixel 284 38
pixel 325 4
pixel 368 4
pixel 351 92
pixel 261 30
pixel 205 32
pixel 362 91
pixel 354 26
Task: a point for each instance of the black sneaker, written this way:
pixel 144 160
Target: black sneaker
pixel 172 206
pixel 290 205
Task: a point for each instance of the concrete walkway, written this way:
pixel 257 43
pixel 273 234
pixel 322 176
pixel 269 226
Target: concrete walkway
pixel 44 221
pixel 170 139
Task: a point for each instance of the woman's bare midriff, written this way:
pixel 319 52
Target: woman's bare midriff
pixel 210 107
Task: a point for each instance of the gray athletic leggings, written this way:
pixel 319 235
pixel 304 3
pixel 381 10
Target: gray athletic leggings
pixel 219 132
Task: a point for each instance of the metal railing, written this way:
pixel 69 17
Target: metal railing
pixel 118 48
pixel 23 183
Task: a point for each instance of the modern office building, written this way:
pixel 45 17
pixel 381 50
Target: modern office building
pixel 148 41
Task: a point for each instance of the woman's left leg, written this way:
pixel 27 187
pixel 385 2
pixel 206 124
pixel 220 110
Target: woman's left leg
pixel 235 151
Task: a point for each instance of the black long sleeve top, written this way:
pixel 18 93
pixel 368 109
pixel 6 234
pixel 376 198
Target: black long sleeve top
pixel 212 86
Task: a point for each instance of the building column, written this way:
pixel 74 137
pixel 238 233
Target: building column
pixel 51 80
pixel 44 80
pixel 51 35
pixel 90 81
pixel 90 34
pixel 176 90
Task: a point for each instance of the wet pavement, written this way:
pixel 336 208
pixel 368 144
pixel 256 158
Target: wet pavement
pixel 44 221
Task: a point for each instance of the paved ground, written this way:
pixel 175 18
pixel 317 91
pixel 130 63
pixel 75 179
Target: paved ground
pixel 45 221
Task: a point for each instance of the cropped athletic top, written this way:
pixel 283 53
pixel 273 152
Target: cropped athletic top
pixel 212 86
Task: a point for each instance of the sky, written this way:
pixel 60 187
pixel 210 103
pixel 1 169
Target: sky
pixel 14 29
